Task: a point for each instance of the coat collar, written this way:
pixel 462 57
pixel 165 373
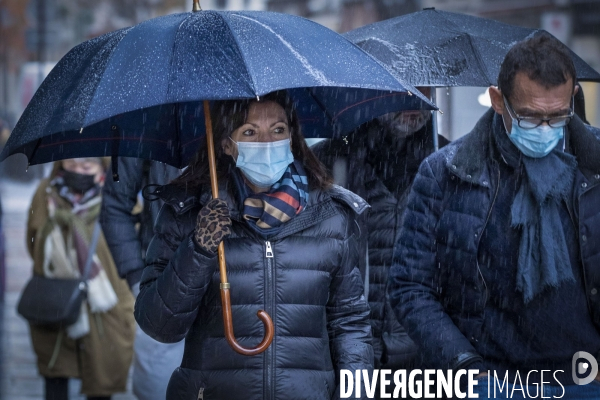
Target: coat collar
pixel 469 157
pixel 321 204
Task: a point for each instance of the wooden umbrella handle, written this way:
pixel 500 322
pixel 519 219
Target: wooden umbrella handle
pixel 225 299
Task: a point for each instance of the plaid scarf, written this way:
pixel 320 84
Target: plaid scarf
pixel 74 216
pixel 267 212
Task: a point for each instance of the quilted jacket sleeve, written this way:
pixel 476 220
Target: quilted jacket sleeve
pixel 348 315
pixel 175 279
pixel 118 222
pixel 413 285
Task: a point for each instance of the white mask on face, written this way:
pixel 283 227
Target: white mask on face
pixel 404 124
pixel 263 163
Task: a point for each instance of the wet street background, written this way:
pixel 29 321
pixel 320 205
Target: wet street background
pixel 19 379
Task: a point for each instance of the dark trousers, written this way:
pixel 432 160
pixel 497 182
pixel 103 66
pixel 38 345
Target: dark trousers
pixel 58 389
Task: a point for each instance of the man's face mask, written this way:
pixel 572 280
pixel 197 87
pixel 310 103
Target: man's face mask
pixel 535 137
pixel 405 123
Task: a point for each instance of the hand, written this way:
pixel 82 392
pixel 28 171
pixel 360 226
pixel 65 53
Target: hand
pixel 213 225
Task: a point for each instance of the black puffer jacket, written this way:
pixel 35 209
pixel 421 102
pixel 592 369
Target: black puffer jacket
pixel 309 284
pixel 382 176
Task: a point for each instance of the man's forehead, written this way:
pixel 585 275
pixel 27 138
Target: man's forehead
pixel 523 85
pixel 528 94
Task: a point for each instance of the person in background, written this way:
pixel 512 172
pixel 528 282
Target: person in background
pixel 379 162
pixel 2 258
pixel 290 243
pixel 496 265
pixel 98 347
pixel 128 233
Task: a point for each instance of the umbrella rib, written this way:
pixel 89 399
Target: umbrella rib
pixel 173 53
pixel 321 105
pixel 318 75
pixel 112 53
pixel 480 62
pixel 237 50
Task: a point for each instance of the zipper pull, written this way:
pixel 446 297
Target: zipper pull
pixel 269 253
pixel 201 394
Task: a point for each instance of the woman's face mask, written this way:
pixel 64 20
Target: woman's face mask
pixel 82 174
pixel 263 163
pixel 262 148
pixel 79 183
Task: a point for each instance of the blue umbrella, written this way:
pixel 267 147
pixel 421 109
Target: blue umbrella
pixel 137 92
pixel 145 92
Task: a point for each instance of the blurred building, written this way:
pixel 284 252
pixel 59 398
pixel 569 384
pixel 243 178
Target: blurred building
pixel 44 30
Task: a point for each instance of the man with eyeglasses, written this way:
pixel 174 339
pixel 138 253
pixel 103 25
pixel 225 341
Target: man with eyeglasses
pixel 497 266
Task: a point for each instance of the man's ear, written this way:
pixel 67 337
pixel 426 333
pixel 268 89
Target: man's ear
pixel 226 145
pixel 497 99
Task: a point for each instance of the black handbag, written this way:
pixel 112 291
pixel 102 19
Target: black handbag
pixel 56 302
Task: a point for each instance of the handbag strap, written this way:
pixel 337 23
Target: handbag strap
pixel 91 250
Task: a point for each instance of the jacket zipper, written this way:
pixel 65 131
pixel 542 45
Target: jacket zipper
pixel 578 236
pixel 487 218
pixel 269 306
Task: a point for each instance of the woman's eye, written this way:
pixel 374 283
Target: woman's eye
pixel 280 129
pixel 248 132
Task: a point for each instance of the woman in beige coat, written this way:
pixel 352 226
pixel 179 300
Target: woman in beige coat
pixel 98 347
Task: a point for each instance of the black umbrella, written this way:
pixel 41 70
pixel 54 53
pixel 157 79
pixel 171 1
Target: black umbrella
pixel 145 91
pixel 440 48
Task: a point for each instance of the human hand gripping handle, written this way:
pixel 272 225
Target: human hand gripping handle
pixel 213 225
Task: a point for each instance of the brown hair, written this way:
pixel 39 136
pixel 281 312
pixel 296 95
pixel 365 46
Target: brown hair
pixel 227 116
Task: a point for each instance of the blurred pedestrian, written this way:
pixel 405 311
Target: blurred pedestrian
pixel 495 268
pixel 2 258
pixel 290 245
pixel 128 233
pixel 379 162
pixel 98 347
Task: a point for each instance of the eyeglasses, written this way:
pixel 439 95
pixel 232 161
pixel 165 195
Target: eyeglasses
pixel 532 122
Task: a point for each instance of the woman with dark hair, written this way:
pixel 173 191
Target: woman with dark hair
pixel 290 242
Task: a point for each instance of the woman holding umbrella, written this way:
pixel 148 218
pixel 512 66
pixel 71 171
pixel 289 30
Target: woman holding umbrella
pixel 290 240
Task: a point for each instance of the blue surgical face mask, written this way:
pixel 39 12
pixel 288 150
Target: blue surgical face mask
pixel 263 163
pixel 537 142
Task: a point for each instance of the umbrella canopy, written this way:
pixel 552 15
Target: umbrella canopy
pixel 137 91
pixel 440 48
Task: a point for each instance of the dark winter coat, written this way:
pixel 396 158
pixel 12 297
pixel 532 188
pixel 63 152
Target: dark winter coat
pixel 309 285
pixel 436 284
pixel 126 239
pixel 382 177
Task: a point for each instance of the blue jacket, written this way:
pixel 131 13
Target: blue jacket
pixel 127 241
pixel 436 286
